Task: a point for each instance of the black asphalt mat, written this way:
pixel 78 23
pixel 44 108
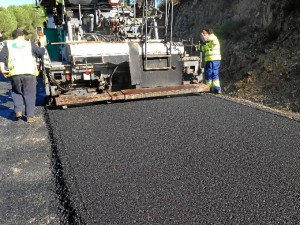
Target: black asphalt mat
pixel 182 160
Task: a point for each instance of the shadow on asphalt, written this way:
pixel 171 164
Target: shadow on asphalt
pixel 6 102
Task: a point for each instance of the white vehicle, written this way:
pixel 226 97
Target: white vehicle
pixel 104 50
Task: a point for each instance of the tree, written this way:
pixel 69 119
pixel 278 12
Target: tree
pixel 7 23
pixel 24 17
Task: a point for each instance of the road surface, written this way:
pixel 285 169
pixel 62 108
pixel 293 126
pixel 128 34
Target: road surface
pixel 181 160
pixel 27 186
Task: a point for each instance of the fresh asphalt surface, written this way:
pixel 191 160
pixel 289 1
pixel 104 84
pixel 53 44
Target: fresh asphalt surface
pixel 195 159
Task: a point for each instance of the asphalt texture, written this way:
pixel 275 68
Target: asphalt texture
pixel 27 186
pixel 196 159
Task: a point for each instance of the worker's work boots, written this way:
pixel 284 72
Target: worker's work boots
pixel 30 119
pixel 18 115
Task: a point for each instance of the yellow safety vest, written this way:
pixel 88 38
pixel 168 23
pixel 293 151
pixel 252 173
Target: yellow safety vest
pixel 20 59
pixel 212 49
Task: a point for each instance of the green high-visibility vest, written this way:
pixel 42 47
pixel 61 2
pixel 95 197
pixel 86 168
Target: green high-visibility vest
pixel 20 59
pixel 212 49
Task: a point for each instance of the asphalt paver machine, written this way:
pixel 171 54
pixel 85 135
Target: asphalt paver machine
pixel 114 50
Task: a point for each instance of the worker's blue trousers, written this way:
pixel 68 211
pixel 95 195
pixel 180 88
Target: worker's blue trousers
pixel 24 93
pixel 212 75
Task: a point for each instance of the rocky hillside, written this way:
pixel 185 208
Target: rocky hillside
pixel 260 46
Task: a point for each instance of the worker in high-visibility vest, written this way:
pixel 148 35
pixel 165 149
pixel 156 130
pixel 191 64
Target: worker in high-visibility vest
pixel 212 58
pixel 19 56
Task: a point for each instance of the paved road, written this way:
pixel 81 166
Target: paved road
pixel 184 160
pixel 27 187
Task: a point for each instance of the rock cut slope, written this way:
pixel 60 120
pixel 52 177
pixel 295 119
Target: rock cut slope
pixel 260 46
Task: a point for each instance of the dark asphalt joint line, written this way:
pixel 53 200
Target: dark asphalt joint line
pixel 66 211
